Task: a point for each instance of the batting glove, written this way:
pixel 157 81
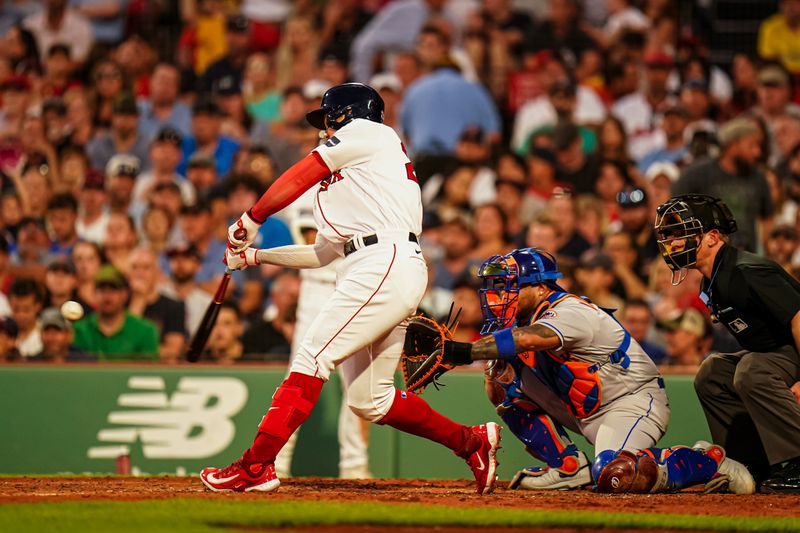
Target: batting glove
pixel 241 260
pixel 238 240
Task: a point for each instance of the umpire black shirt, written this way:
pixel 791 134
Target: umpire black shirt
pixel 754 298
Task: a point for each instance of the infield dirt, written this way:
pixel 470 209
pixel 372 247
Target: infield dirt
pixel 452 493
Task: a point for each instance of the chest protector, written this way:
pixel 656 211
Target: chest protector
pixel 577 383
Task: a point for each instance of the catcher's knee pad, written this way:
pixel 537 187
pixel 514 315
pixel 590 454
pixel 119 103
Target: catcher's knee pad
pixel 369 401
pixel 543 437
pixel 625 472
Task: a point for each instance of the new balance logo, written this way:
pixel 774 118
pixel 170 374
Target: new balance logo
pixel 193 423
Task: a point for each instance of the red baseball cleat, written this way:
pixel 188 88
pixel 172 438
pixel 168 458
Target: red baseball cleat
pixel 483 461
pixel 240 478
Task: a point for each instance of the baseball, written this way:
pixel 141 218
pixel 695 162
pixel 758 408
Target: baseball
pixel 72 310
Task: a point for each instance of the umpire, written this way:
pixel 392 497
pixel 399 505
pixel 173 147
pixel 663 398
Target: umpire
pixel 746 395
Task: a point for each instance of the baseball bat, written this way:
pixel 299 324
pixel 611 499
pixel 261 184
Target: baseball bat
pixel 212 312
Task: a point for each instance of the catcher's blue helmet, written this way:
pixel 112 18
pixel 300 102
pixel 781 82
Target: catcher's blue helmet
pixel 344 103
pixel 504 275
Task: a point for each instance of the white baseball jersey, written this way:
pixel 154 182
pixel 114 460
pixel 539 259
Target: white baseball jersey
pixel 372 186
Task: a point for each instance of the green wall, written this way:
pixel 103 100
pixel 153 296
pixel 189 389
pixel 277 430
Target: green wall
pixel 59 419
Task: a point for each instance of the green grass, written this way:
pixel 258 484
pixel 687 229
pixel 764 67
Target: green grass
pixel 198 516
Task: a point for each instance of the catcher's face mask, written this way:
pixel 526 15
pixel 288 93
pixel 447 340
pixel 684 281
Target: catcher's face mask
pixel 679 233
pixel 500 293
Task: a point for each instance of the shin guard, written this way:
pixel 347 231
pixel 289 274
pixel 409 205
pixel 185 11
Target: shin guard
pixel 543 437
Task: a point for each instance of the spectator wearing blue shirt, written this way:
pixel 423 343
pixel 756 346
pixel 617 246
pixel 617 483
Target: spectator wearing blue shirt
pixel 206 138
pixel 676 150
pixel 438 107
pixel 163 108
pixel 61 215
pixel 107 18
pixel 196 225
pixel 394 28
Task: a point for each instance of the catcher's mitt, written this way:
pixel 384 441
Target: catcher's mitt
pixel 423 352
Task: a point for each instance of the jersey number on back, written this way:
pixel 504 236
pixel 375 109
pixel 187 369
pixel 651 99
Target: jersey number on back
pixel 410 174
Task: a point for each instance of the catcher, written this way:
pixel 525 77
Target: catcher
pixel 560 361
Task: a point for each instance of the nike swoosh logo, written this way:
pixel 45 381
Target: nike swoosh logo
pixel 214 479
pixel 271 408
pixel 480 460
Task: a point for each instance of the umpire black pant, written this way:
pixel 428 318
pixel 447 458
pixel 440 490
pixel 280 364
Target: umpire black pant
pixel 750 410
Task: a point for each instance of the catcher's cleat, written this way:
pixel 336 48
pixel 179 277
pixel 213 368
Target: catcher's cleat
pixel 732 476
pixel 483 461
pixel 240 478
pixel 574 473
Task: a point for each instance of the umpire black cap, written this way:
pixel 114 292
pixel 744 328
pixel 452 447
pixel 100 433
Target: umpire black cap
pixel 344 103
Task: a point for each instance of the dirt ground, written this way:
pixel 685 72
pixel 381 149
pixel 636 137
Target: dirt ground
pixel 455 493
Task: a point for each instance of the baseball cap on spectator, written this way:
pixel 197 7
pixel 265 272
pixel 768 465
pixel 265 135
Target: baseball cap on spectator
pixel 564 87
pixel 631 198
pixel 247 181
pixel 543 153
pixel 123 165
pixel 206 105
pixel 337 53
pixel 196 208
pixel 226 86
pixel 773 76
pixel 61 264
pixel 663 168
pixel 31 221
pixel 94 180
pixel 200 160
pixel 690 320
pixel 735 129
pixel 565 134
pixel 184 249
pixel 658 60
pixel 55 105
pixel 237 24
pixel 109 276
pixel 52 318
pixel 696 85
pixel 17 83
pixel 170 135
pixel 125 104
pixel 783 231
pixel 314 89
pixel 593 261
pixel 8 327
pixel 386 81
pixel 59 48
pixel 168 186
pixel 677 109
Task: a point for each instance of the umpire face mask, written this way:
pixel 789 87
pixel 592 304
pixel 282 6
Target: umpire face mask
pixel 678 234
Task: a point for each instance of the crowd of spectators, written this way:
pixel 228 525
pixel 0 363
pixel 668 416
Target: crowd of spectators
pixel 133 131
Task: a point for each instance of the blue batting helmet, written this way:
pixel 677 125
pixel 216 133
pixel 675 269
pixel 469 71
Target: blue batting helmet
pixel 344 103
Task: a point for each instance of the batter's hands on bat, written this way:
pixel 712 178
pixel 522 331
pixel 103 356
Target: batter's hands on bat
pixel 242 233
pixel 241 260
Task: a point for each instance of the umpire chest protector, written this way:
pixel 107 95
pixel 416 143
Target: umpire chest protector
pixel 753 297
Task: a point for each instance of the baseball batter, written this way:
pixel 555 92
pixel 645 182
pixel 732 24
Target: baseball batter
pixel 318 284
pixel 563 361
pixel 368 210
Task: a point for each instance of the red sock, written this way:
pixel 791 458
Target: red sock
pixel 412 414
pixel 291 404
